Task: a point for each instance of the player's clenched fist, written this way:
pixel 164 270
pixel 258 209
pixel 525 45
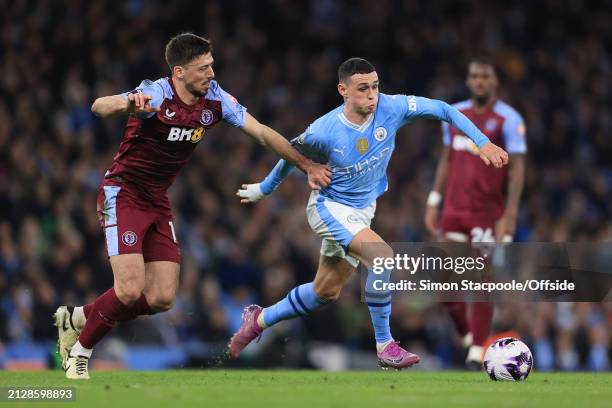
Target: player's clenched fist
pixel 492 154
pixel 139 102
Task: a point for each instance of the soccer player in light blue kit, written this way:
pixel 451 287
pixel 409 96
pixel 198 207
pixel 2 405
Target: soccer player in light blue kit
pixel 356 140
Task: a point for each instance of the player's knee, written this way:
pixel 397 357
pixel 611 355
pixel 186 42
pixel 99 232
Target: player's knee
pixel 386 251
pixel 370 253
pixel 161 303
pixel 327 291
pixel 379 252
pixel 128 294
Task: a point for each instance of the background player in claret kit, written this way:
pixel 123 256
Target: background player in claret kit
pixel 480 202
pixel 168 118
pixel 356 140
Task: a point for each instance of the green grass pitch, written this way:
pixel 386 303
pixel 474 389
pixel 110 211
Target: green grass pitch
pixel 314 389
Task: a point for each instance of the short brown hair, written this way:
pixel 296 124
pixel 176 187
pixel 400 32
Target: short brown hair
pixel 183 48
pixel 354 66
pixel 482 60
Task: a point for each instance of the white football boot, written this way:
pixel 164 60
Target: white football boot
pixel 67 334
pixel 77 368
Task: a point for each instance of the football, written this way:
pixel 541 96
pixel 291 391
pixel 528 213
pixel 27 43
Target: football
pixel 508 359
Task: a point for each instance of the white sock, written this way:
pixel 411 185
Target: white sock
pixel 467 340
pixel 381 346
pixel 79 350
pixel 78 317
pixel 475 354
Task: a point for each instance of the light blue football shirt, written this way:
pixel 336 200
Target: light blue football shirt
pixel 359 154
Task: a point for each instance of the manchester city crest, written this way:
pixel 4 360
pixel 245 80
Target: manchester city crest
pixel 380 133
pixel 207 117
pixel 362 145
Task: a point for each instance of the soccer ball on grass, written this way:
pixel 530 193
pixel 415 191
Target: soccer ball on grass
pixel 508 359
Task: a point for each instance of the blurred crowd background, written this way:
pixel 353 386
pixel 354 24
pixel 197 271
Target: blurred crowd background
pixel 279 59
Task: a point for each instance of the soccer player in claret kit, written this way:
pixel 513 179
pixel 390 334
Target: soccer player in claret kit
pixel 356 139
pixel 167 119
pixel 480 202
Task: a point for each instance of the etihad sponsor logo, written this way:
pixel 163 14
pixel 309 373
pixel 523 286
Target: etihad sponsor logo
pixel 192 135
pixel 463 143
pixel 370 163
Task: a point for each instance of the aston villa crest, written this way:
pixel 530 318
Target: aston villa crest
pixel 207 117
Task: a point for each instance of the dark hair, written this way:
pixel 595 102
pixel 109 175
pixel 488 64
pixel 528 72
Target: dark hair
pixel 482 61
pixel 184 47
pixel 354 66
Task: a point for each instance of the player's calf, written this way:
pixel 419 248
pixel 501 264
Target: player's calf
pixel 300 301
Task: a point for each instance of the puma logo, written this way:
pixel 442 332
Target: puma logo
pixel 339 151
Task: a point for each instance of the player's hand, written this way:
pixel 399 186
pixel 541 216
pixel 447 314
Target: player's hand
pixel 319 175
pixel 431 219
pixel 140 103
pixel 505 227
pixel 492 154
pixel 250 193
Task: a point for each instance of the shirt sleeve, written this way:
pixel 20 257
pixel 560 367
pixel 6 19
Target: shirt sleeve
pixel 446 134
pixel 149 88
pixel 307 144
pixel 232 112
pixel 276 176
pixel 514 133
pixel 310 145
pixel 423 108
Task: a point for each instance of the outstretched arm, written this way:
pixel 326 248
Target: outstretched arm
pixel 435 109
pixel 133 102
pixel 143 101
pixel 318 175
pixel 251 193
pixel 276 176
